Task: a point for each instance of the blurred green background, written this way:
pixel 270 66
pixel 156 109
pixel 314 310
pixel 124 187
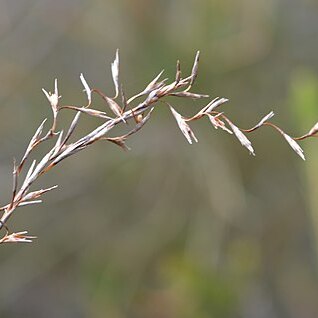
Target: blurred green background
pixel 166 230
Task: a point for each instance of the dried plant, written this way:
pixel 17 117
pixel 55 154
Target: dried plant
pixel 123 112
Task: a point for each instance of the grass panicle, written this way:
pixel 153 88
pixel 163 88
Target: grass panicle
pixel 123 111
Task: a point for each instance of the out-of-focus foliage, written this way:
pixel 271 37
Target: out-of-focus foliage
pixel 167 229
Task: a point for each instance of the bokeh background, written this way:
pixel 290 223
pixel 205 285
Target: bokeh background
pixel 166 230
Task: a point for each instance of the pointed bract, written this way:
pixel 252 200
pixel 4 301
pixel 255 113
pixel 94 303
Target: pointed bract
pixel 115 108
pixel 184 127
pixel 115 73
pixel 313 130
pixel 194 72
pixel 214 104
pixel 178 73
pixel 295 146
pixel 189 95
pixel 153 84
pixel 53 98
pixel 87 90
pixel 19 237
pixel 242 138
pixel 35 194
pixel 119 142
pixel 263 120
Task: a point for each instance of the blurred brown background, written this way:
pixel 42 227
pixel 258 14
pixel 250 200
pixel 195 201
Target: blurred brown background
pixel 166 230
